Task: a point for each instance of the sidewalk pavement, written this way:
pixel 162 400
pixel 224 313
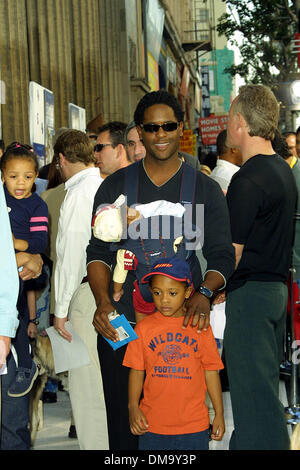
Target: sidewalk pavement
pixel 56 424
pixel 57 420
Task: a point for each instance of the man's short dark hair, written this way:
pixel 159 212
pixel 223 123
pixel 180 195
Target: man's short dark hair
pixel 157 97
pixel 288 133
pixel 221 143
pixel 116 131
pixel 280 145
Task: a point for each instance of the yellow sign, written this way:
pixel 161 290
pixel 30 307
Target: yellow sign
pixel 153 75
pixel 188 142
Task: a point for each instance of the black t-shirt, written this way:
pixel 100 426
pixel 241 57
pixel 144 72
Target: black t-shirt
pixel 217 247
pixel 262 200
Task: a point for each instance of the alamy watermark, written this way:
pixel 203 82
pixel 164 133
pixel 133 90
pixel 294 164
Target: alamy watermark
pixel 187 223
pixel 296 353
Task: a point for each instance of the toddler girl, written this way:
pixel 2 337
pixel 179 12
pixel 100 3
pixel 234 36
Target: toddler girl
pixel 29 223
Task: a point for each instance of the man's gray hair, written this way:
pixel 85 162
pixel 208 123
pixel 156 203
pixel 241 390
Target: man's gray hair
pixel 130 126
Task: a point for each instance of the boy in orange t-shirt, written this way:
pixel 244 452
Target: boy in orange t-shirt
pixel 180 364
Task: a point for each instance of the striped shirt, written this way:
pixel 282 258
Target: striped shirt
pixel 29 221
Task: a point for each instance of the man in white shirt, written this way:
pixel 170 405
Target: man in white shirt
pixel 228 163
pixel 73 298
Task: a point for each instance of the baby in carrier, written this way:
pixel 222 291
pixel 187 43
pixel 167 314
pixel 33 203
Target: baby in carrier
pixel 141 235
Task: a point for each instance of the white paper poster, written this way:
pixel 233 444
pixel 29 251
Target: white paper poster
pixel 41 119
pixel 77 117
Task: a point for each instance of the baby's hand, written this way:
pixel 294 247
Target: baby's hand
pixel 118 295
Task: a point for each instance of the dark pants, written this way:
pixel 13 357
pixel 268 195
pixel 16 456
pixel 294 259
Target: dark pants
pixel 14 414
pixel 115 387
pixel 253 342
pixel 21 340
pixel 192 441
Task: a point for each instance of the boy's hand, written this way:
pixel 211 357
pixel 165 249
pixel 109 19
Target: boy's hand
pixel 137 421
pixel 218 428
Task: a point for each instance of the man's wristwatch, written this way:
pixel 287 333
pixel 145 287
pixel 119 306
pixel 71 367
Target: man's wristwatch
pixel 206 291
pixel 34 320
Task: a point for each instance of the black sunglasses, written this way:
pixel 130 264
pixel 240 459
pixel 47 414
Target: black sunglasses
pixel 166 126
pixel 99 147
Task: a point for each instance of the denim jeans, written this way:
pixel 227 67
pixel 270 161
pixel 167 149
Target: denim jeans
pixel 15 434
pixel 192 441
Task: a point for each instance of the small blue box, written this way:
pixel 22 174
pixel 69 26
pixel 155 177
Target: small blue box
pixel 125 331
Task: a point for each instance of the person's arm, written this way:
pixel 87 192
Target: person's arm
pixel 217 251
pixel 120 274
pixel 137 420
pixel 99 262
pixel 31 302
pixel 243 212
pixel 99 279
pixel 214 389
pixel 217 244
pixel 238 253
pixel 72 239
pixel 20 245
pixel 9 282
pixel 38 240
pixel 197 307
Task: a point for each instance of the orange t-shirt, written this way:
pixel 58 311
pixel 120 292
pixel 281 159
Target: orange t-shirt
pixel 174 360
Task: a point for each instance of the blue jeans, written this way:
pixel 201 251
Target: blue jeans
pixel 15 434
pixel 192 441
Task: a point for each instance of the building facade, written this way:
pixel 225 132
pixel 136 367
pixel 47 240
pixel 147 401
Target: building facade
pixel 218 59
pixel 100 55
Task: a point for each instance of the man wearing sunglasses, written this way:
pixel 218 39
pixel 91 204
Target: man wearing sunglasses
pixel 159 120
pixel 109 149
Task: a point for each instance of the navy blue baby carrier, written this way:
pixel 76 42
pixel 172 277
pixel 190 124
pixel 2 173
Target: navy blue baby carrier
pixel 153 238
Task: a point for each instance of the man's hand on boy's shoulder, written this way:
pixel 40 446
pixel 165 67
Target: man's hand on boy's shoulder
pixel 197 312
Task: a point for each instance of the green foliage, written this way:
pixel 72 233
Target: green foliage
pixel 265 29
